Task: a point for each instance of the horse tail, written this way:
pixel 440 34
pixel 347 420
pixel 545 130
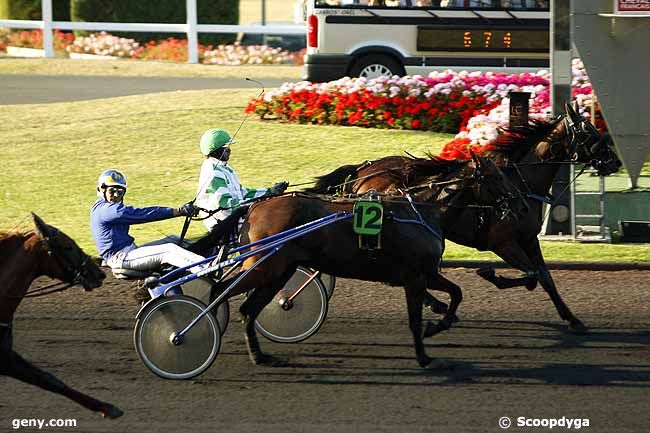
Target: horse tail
pixel 329 183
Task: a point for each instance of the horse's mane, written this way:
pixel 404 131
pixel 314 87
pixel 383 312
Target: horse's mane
pixel 326 183
pixel 9 240
pixel 11 235
pixel 516 141
pixel 432 166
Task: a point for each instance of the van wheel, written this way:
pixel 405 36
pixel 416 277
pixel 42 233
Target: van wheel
pixel 376 65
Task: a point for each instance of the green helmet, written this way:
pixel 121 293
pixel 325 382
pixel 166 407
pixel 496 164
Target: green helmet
pixel 214 139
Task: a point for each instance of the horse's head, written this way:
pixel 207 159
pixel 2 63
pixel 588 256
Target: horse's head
pixel 66 261
pixel 491 187
pixel 588 146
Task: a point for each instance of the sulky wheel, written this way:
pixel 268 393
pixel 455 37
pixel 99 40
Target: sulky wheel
pixel 329 281
pixel 155 328
pixel 199 288
pixel 285 321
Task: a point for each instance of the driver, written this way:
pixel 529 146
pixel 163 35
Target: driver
pixel 219 185
pixel 110 220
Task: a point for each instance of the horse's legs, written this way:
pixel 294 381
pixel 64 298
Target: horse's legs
pixel 437 306
pixel 545 279
pixel 257 299
pixel 438 282
pixel 513 254
pixel 17 367
pixel 414 291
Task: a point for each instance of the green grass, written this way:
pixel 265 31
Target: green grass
pixel 52 154
pixel 137 68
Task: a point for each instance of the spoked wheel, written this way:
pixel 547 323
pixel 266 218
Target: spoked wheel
pixel 199 288
pixel 286 320
pixel 156 327
pixel 329 281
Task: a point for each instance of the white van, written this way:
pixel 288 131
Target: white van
pixel 384 38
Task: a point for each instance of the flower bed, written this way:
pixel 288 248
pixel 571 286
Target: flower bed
pixel 103 44
pixel 237 54
pixel 108 46
pixel 4 37
pixel 170 49
pixel 474 105
pixel 34 39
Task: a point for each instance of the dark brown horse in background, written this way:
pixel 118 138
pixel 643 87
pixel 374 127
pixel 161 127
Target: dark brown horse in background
pixel 23 258
pixel 411 248
pixel 530 157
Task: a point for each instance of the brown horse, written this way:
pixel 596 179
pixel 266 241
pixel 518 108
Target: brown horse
pixel 411 247
pixel 23 258
pixel 531 157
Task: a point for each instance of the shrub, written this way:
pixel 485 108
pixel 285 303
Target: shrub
pixel 162 11
pixel 31 10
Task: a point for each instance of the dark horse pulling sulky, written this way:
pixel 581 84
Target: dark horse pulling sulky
pixel 24 257
pixel 530 157
pixel 411 248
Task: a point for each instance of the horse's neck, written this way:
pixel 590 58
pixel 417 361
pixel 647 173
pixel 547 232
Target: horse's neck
pixel 450 213
pixel 538 175
pixel 21 259
pixel 541 164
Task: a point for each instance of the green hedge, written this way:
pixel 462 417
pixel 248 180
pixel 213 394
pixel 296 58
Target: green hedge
pixel 162 11
pixel 31 10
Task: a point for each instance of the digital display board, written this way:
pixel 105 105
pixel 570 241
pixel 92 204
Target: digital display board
pixel 483 39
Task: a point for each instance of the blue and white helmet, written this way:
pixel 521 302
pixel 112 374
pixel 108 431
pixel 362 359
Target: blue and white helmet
pixel 111 177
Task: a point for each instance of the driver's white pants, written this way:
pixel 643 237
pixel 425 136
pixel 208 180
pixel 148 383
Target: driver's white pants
pixel 152 257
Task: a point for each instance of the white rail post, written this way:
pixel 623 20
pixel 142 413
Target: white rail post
pixel 192 38
pixel 48 40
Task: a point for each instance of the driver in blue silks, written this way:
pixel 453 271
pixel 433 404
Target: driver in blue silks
pixel 110 220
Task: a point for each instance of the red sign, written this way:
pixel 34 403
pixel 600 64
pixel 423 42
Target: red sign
pixel 632 6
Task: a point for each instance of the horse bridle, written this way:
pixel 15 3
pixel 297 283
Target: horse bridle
pixel 583 138
pixel 73 273
pixel 502 200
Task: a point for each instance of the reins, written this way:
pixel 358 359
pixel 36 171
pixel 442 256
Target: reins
pixel 36 292
pixel 334 187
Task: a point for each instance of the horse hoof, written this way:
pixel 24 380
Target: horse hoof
pixel 438 364
pixel 112 412
pixel 264 359
pixel 577 327
pixel 486 273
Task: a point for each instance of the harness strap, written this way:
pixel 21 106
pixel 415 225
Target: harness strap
pixel 548 199
pixel 5 325
pixel 420 220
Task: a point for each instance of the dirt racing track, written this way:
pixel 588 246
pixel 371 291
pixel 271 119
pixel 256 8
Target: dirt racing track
pixel 510 356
